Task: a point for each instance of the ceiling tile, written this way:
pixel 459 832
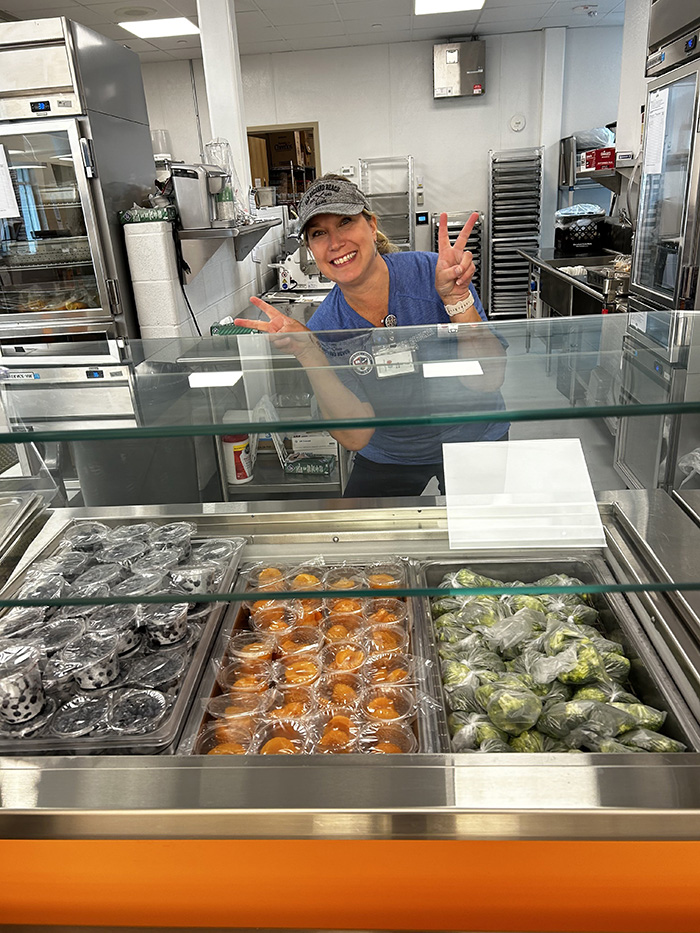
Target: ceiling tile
pixel 266 5
pixel 176 43
pixel 379 37
pixel 312 30
pixel 28 9
pixel 155 57
pixel 188 7
pixel 245 6
pixel 297 13
pixel 264 48
pixel 361 9
pixel 534 11
pixel 500 29
pixel 138 45
pixel 566 8
pixel 447 21
pixel 185 54
pixel 313 44
pixel 71 10
pixel 437 34
pixel 522 5
pixel 616 18
pixel 163 9
pixel 255 27
pixel 355 27
pixel 117 34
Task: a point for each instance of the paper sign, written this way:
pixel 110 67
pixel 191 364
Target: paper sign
pixel 514 494
pixel 452 368
pixel 8 201
pixel 656 131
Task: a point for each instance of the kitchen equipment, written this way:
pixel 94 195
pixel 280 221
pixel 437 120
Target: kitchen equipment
pixel 196 187
pixel 389 186
pixel 515 203
pixel 74 132
pixel 578 229
pixel 455 221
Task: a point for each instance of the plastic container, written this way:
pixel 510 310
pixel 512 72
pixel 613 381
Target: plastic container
pixel 246 708
pixel 246 677
pixel 337 733
pixel 225 738
pixel 56 633
pixel 21 690
pixel 385 612
pixel 343 605
pixel 95 660
pixel 86 536
pixel 122 621
pixel 166 623
pixel 306 577
pixel 159 562
pixel 21 620
pixel 81 715
pixel 339 691
pixel 51 586
pixel 295 703
pixel 249 647
pixel 384 576
pixel 238 458
pixel 300 640
pixel 140 530
pixel 344 656
pixel 174 535
pixel 283 738
pixel 388 704
pixel 109 574
pixel 191 578
pixel 308 611
pixel 137 711
pixel 123 553
pixel 275 617
pixel 388 739
pixel 344 578
pixel 265 576
pixel 217 549
pixel 387 639
pixel 299 670
pixel 344 627
pixel 159 670
pixel 141 584
pixel 68 564
pixel 388 669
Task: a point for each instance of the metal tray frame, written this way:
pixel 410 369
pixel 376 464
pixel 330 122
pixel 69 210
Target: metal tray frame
pixel 162 740
pixel 431 731
pixel 649 679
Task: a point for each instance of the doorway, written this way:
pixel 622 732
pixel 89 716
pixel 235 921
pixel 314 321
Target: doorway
pixel 283 158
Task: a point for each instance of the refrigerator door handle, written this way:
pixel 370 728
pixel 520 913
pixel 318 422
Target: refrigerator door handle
pixel 88 157
pixel 689 282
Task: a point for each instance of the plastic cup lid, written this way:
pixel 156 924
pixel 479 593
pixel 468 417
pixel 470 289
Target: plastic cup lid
pixel 14 658
pixel 137 710
pixel 88 649
pixel 80 715
pixel 155 670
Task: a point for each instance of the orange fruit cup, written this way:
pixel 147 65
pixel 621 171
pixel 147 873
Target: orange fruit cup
pixel 282 738
pixel 344 578
pixel 272 616
pixel 246 677
pixel 337 733
pixel 385 611
pixel 343 605
pixel 294 702
pixel 344 656
pixel 308 611
pixel 246 708
pixel 385 576
pixel 300 640
pixel 339 627
pixel 300 670
pixel 388 704
pixel 225 738
pixel 251 646
pixel 389 739
pixel 339 692
pixel 387 669
pixel 306 578
pixel 387 639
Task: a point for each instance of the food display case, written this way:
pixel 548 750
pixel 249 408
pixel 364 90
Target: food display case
pixel 421 805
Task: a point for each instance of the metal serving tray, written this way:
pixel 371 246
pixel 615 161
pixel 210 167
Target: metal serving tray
pixel 161 740
pixel 430 718
pixel 649 678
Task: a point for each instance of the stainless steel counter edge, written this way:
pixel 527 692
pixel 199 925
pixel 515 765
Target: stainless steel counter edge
pixel 578 796
pixel 569 279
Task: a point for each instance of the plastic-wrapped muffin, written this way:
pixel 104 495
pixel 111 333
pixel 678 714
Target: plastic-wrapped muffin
pixel 388 739
pixel 21 688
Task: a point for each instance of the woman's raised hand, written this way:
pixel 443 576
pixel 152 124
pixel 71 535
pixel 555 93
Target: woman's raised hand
pixel 455 267
pixel 281 326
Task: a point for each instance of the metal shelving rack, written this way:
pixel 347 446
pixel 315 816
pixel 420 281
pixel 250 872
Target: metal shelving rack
pixel 388 184
pixel 515 208
pixel 455 221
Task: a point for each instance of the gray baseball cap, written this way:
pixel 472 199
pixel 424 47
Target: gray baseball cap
pixel 331 196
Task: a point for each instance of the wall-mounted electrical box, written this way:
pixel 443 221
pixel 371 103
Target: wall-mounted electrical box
pixel 459 69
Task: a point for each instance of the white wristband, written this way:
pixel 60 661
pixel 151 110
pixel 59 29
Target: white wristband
pixel 463 305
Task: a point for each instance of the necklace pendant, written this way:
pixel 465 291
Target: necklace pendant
pixel 389 320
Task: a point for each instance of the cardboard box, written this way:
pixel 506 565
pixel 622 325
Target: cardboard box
pixel 285 148
pixel 600 158
pixel 314 442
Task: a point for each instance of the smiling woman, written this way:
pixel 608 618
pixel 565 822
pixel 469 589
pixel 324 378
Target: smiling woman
pixel 379 287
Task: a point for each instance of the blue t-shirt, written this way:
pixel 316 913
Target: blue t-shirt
pixel 414 302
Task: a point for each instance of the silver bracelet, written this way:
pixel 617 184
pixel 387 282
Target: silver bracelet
pixel 464 305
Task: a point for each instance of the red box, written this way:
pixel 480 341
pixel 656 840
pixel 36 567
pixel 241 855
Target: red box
pixel 600 158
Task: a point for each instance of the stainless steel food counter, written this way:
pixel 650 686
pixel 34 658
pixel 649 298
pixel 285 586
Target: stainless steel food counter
pixel 421 796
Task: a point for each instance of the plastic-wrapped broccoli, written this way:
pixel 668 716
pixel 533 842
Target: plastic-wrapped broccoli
pixel 646 717
pixel 484 693
pixel 568 600
pixel 463 697
pixel 451 634
pixel 469 730
pixel 441 604
pixel 467 578
pixel 559 636
pixel 651 742
pixel 494 746
pixel 589 667
pixel 519 602
pixel 534 741
pixel 608 746
pixel 610 692
pixel 605 644
pixel 512 634
pixel 455 673
pixel 560 720
pixel 617 666
pixel 458 720
pixel 543 669
pixel 556 692
pixel 513 710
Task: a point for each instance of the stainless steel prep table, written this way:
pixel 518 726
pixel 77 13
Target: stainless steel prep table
pixel 422 796
pixel 566 294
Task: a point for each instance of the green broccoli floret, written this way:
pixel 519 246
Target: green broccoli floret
pixel 651 742
pixel 617 666
pixel 589 666
pixel 529 741
pixel 513 710
pixel 454 673
pixel 646 716
pixel 526 602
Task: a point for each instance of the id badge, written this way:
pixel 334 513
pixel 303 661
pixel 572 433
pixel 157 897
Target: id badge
pixel 394 360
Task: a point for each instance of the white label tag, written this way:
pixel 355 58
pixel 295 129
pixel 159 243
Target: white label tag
pixel 8 201
pixel 394 361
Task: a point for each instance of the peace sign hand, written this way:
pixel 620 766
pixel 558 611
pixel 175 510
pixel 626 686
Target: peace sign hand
pixel 455 267
pixel 282 327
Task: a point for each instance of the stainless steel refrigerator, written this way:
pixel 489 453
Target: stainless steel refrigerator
pixel 75 149
pixel 661 360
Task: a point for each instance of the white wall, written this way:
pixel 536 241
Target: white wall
pixel 172 105
pixel 592 78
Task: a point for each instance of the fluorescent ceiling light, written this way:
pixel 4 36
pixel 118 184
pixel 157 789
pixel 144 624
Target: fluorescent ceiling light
pixel 161 28
pixel 209 380
pixel 452 368
pixel 425 7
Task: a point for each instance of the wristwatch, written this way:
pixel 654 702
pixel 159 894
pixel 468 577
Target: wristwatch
pixel 463 305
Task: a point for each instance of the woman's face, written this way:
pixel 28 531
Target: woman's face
pixel 344 247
